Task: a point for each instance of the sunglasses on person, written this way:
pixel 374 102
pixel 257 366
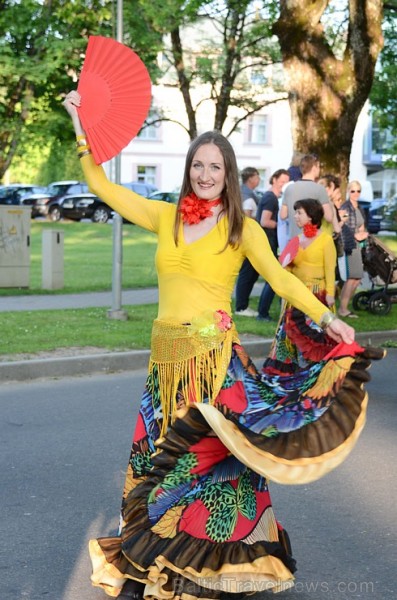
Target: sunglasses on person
pixel 355 191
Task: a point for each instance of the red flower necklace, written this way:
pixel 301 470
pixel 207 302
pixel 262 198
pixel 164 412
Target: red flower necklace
pixel 193 209
pixel 310 230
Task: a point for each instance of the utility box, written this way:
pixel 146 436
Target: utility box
pixel 15 246
pixel 52 259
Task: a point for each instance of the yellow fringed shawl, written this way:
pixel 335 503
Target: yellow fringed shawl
pixel 192 359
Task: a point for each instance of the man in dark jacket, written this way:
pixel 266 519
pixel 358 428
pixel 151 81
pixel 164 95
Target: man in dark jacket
pixel 248 276
pixel 266 216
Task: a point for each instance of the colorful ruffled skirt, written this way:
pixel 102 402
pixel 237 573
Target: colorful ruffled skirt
pixel 197 518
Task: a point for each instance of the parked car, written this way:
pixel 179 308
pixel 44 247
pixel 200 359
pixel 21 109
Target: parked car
pixel 61 188
pixel 80 206
pixel 373 212
pixel 171 197
pixel 19 194
pixel 38 201
pixel 55 191
pixel 140 187
pixel 389 218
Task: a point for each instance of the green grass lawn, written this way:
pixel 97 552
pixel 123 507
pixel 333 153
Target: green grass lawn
pixel 43 331
pixel 88 257
pixel 88 251
pixel 88 267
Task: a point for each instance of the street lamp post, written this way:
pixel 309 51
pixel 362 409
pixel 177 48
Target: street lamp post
pixel 116 312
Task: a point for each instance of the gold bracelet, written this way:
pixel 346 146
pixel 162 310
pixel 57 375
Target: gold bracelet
pixel 326 319
pixel 84 153
pixel 81 142
pixel 83 148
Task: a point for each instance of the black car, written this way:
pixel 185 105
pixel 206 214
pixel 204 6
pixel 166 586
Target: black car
pixel 19 194
pixel 55 191
pixel 38 201
pixel 389 217
pixel 373 213
pixel 61 188
pixel 79 206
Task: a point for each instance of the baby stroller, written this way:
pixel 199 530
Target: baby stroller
pixel 381 265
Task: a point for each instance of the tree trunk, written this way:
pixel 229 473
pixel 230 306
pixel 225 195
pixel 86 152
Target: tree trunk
pixel 184 82
pixel 231 35
pixel 327 92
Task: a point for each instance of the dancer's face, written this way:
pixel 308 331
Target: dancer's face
pixel 207 172
pixel 301 217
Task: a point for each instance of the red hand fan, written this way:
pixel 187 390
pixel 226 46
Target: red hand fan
pixel 115 91
pixel 289 252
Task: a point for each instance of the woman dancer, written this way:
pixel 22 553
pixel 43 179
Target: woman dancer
pixel 299 342
pixel 196 516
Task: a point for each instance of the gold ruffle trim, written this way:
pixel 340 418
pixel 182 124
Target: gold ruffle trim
pixel 104 574
pixel 280 470
pixel 264 573
pixel 191 362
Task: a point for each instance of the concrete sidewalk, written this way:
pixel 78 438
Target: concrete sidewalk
pixel 59 302
pixel 107 362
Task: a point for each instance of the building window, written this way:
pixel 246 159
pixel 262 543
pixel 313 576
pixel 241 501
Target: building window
pixel 257 129
pixel 150 132
pixel 146 174
pixel 382 139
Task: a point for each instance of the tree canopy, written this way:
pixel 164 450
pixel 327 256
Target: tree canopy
pixel 226 48
pixel 383 95
pixel 232 50
pixel 41 45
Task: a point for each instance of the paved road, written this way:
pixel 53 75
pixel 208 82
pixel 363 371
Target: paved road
pixel 64 446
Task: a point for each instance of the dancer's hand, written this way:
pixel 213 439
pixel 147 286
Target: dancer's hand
pixel 72 99
pixel 340 331
pixel 71 102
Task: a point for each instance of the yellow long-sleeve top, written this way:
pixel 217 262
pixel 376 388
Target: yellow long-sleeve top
pixel 197 277
pixel 315 265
